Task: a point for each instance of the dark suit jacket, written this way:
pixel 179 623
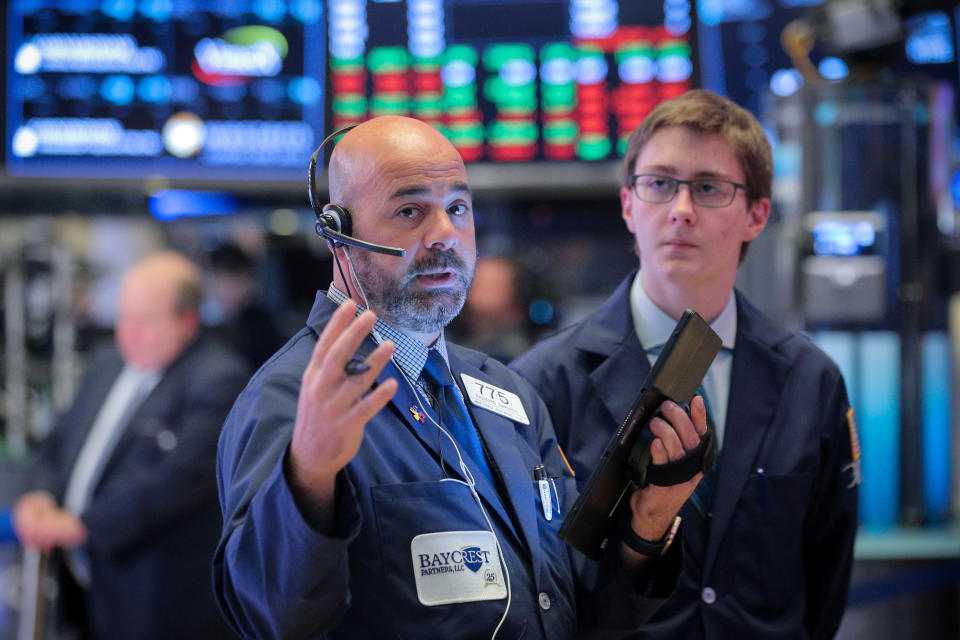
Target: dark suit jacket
pixel 153 519
pixel 777 558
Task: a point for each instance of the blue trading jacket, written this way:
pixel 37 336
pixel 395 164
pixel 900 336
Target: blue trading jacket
pixel 276 577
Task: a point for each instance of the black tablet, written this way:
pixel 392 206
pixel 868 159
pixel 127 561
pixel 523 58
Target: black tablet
pixel 675 375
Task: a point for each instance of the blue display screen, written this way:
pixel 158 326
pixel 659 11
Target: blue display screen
pixel 841 238
pixel 182 88
pixel 742 53
pixel 239 89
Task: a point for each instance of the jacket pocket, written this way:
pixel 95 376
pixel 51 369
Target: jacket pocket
pixel 768 525
pixel 405 511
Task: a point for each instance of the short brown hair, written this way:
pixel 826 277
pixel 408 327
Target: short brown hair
pixel 708 113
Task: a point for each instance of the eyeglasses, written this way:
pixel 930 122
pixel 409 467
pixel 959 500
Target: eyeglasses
pixel 707 192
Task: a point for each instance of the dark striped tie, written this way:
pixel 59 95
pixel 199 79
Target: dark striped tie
pixel 702 497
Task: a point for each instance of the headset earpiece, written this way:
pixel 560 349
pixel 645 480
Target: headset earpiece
pixel 335 218
pixel 333 221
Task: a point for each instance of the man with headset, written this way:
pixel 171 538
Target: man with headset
pixel 767 538
pixel 377 481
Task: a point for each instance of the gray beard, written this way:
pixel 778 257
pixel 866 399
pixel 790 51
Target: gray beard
pixel 397 301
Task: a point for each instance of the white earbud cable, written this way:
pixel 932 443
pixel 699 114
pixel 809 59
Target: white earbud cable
pixel 471 482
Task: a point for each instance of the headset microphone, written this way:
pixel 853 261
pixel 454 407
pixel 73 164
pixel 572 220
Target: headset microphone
pixel 333 221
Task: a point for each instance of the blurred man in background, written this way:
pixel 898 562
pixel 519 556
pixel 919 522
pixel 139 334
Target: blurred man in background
pixel 237 314
pixel 126 492
pixel 494 319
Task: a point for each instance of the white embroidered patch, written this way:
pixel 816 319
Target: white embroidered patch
pixel 457 566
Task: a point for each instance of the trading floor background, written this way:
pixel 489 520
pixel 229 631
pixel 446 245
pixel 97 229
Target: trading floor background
pixel 170 136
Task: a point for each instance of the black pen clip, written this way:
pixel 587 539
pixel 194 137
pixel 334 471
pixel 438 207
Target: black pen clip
pixel 355 366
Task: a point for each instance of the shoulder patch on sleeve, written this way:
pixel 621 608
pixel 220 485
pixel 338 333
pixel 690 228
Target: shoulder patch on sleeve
pixel 565 461
pixel 854 466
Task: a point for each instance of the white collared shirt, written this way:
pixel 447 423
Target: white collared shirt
pixel 409 354
pixel 130 388
pixel 654 326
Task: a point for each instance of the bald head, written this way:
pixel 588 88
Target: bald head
pixel 405 186
pixel 363 151
pixel 157 310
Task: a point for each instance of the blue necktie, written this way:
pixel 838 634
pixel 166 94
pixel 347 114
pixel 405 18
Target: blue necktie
pixel 453 412
pixel 702 497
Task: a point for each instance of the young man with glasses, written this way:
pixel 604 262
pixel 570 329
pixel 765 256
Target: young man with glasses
pixel 767 538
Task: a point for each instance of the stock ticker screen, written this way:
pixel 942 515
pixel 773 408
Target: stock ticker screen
pixel 511 80
pixel 181 88
pixel 245 89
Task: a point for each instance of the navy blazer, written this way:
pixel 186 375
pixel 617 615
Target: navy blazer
pixel 276 576
pixel 776 560
pixel 152 518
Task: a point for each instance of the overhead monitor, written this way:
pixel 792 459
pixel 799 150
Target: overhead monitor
pixel 512 80
pixel 244 89
pixel 182 88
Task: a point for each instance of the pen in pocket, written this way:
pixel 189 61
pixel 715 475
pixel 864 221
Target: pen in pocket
pixel 546 501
